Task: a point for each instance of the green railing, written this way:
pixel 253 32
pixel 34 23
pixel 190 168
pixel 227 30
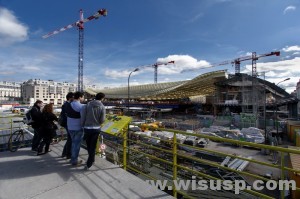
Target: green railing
pixel 168 156
pixel 7 127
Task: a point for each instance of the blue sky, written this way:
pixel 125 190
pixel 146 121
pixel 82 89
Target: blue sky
pixel 193 33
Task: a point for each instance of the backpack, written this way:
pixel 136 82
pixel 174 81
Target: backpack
pixel 28 118
pixel 62 120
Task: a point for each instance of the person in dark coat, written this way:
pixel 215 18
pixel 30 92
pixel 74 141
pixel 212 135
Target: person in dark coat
pixel 36 115
pixel 63 118
pixel 48 129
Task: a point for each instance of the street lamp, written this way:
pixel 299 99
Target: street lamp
pixel 276 106
pixel 137 69
pixel 128 108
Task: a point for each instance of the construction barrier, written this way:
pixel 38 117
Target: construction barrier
pixel 158 156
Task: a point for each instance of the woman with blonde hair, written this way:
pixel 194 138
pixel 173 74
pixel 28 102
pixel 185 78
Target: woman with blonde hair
pixel 48 128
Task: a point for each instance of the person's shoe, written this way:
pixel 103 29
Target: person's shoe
pixel 34 150
pixel 40 153
pixel 86 168
pixel 68 157
pixel 63 156
pixel 48 151
pixel 78 163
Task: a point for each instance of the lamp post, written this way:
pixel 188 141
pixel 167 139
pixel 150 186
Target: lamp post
pixel 276 106
pixel 128 106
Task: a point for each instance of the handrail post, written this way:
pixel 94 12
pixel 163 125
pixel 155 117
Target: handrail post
pixel 11 126
pixel 282 173
pixel 125 149
pixel 174 164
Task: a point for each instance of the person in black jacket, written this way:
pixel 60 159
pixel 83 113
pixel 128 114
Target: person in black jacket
pixel 63 118
pixel 48 129
pixel 36 115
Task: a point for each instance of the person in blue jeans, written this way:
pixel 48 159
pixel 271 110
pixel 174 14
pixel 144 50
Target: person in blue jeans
pixel 74 126
pixel 92 116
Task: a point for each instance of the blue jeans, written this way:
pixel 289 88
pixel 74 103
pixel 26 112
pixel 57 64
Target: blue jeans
pixel 76 136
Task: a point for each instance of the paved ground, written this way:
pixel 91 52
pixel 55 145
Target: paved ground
pixel 25 175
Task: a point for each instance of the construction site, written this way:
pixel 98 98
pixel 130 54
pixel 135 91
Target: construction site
pixel 164 139
pixel 220 125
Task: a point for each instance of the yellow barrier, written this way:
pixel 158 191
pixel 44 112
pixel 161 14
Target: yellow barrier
pixel 171 155
pixel 10 127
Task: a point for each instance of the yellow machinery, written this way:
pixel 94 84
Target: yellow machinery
pixel 150 123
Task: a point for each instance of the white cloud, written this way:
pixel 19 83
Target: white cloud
pixel 182 63
pixel 195 18
pixel 291 48
pixel 11 29
pixel 115 74
pixel 289 9
pixel 31 68
pixel 278 71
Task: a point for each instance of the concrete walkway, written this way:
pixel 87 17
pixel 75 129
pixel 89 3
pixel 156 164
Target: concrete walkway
pixel 25 175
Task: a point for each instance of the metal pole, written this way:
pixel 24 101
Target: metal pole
pixel 265 122
pixel 174 164
pixel 128 109
pixel 127 135
pixel 282 192
pixel 276 106
pixel 128 94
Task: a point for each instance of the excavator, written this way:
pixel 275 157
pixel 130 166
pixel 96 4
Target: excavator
pixel 151 123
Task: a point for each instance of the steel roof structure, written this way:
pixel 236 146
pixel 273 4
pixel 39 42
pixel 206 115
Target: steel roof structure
pixel 203 84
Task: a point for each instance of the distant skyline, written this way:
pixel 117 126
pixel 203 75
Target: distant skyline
pixel 140 33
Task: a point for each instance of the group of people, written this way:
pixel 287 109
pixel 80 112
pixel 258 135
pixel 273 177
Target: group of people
pixel 78 119
pixel 44 126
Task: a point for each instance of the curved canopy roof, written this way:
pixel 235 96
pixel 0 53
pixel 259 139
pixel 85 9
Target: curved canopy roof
pixel 200 85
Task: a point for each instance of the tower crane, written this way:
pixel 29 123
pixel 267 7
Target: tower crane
pixel 156 66
pixel 80 25
pixel 253 57
pixel 237 62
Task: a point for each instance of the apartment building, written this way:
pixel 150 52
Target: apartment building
pixel 47 91
pixel 9 91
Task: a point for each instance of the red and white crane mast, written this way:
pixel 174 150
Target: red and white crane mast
pixel 80 25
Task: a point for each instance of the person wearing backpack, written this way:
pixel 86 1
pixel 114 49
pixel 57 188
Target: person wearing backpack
pixel 36 116
pixel 92 116
pixel 67 151
pixel 74 126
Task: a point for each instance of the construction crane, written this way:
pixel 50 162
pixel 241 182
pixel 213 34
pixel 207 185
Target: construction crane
pixel 80 25
pixel 237 62
pixel 252 57
pixel 156 66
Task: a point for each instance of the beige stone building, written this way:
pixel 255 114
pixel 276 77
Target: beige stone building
pixel 47 91
pixel 9 91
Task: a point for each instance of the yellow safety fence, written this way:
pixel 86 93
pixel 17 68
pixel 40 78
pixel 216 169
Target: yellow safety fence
pixel 146 156
pixel 7 127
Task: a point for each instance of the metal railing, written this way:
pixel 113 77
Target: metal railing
pixel 145 154
pixel 7 127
